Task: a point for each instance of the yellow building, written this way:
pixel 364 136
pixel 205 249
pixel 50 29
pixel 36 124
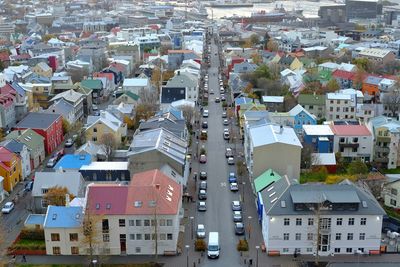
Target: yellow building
pixel 43 69
pixel 39 94
pixel 106 123
pixel 10 168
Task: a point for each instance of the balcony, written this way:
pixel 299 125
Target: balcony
pixel 380 149
pixel 351 145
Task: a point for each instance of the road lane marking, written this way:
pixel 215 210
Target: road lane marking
pixel 223 184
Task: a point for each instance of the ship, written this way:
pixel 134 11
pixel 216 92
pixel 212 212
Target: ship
pixel 230 4
pixel 261 16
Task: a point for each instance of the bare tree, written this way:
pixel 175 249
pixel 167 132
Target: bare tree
pixel 392 102
pixel 189 113
pixel 92 233
pixel 109 144
pixel 306 156
pixel 147 96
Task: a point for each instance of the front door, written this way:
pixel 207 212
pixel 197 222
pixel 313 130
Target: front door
pixel 122 243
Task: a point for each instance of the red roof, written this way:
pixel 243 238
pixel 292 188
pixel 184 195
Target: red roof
pixel 4 56
pixel 350 130
pixel 7 95
pixel 6 155
pixel 118 66
pixel 347 75
pixel 107 199
pixel 109 76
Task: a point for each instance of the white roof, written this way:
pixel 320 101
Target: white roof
pixel 70 95
pixel 106 165
pixel 387 81
pixel 374 52
pixel 136 82
pixel 338 96
pixel 270 134
pixel 329 65
pixel 297 109
pixel 106 118
pixel 351 91
pixel 317 129
pixel 286 72
pixel 272 99
pixel 323 158
pixel 347 66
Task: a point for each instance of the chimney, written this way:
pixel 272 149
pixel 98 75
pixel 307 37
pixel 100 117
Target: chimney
pixel 157 186
pixel 19 132
pixel 281 129
pixel 179 72
pixel 103 114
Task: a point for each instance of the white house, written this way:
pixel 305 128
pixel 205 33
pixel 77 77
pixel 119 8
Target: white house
pixel 319 218
pixel 339 106
pixel 135 85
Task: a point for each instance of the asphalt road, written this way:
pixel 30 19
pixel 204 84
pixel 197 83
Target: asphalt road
pixel 218 217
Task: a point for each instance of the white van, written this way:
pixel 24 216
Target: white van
pixel 205 113
pixel 213 245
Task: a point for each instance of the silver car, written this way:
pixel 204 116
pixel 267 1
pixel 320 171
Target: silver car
pixel 201 231
pixel 237 216
pixel 202 206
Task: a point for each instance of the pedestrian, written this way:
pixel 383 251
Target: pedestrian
pixel 190 169
pixel 23 258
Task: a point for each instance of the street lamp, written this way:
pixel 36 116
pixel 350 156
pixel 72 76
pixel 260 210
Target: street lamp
pixel 191 227
pixel 243 183
pixel 257 248
pixel 187 255
pixel 249 226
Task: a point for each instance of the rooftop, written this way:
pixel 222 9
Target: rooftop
pixel 38 120
pixel 271 134
pixel 350 130
pixel 63 217
pixel 317 130
pixel 71 161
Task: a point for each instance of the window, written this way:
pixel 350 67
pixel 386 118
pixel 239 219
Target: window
pixel 310 236
pixel 146 222
pixel 121 222
pixel 298 236
pixel 138 236
pixel 337 250
pixel 310 221
pixel 309 249
pixel 106 238
pixel 341 140
pixel 132 236
pixel 74 250
pixel 338 236
pixel 131 222
pixel 44 203
pixel 138 223
pixel 146 236
pixel 393 191
pixel 361 250
pixel 95 130
pixel 286 236
pixel 362 236
pixel 363 221
pixel 349 250
pixel 351 221
pixel 138 249
pixel 393 202
pixel 56 250
pixel 162 222
pixel 45 190
pixel 163 236
pixel 349 236
pixel 298 221
pixel 169 236
pixel 169 222
pixel 55 237
pixel 285 250
pixel 73 237
pixel 286 221
pixel 355 139
pixel 339 221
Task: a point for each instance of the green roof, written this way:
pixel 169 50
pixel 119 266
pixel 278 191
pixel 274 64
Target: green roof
pixel 325 75
pixel 265 179
pixel 309 99
pixel 28 137
pixel 93 84
pixel 131 95
pixel 83 90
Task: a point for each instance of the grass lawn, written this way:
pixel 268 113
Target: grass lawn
pixel 391 212
pixel 29 244
pixel 391 171
pixel 310 177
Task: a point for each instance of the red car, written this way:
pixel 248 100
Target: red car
pixel 203 158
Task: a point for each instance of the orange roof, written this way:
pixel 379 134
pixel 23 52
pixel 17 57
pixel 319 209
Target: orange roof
pixel 350 130
pixel 182 51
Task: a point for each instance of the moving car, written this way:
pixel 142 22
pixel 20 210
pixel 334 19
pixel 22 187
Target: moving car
pixel 203 175
pixel 236 206
pixel 231 161
pixel 8 207
pixel 202 206
pixel 239 228
pixel 201 231
pixel 232 178
pixel 234 187
pixel 69 142
pixel 217 100
pixel 203 158
pixel 213 245
pixel 203 185
pixel 29 186
pixel 228 152
pixel 237 216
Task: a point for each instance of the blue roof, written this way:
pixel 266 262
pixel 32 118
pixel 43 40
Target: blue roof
pixel 63 217
pixel 243 100
pixel 34 219
pixel 71 161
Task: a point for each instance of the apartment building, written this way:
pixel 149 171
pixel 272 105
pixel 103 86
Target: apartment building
pixel 339 106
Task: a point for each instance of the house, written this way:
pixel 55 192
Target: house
pixel 248 106
pixel 72 180
pixel 339 106
pixel 320 137
pixel 344 78
pixel 136 85
pixel 8 101
pixel 368 111
pixel 353 142
pixel 377 55
pixel 97 126
pixel 390 193
pixel 327 160
pixel 274 147
pixel 10 168
pixel 87 100
pixel 252 117
pixel 266 179
pixel 290 62
pixel 76 100
pixel 47 125
pixel 177 127
pixel 187 80
pixel 176 57
pixel 386 136
pixel 171 94
pixel 34 142
pixel 301 117
pixel 22 151
pixel 105 171
pixel 154 148
pixel 96 151
pixel 335 219
pixel 22 103
pixel 43 69
pixel 370 85
pixel 273 103
pixel 244 67
pixel 63 227
pixel 127 97
pixel 97 89
pixel 122 111
pixel 61 83
pixel 73 162
pixel 314 104
pixel 40 93
pixel 63 108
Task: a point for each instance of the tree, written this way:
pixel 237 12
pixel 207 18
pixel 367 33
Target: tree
pixel 240 168
pixel 66 126
pixel 130 122
pixel 109 144
pixel 362 63
pixel 248 89
pixel 392 102
pixel 332 86
pixel 149 97
pixel 254 39
pixel 357 167
pixel 263 72
pixel 359 78
pixel 78 75
pixel 47 37
pixel 156 78
pixel 91 232
pixel 256 58
pixel 143 112
pixel 56 196
pixel 272 46
pixel 189 113
pixel 306 156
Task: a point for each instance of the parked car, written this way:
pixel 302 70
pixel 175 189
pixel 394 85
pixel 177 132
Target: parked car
pixel 7 208
pixel 224 114
pixel 223 99
pixel 236 206
pixel 237 216
pixel 203 175
pixel 232 178
pixel 94 107
pixel 231 161
pixel 226 122
pixel 234 187
pixel 203 158
pixel 51 163
pixel 29 186
pixel 201 206
pixel 211 92
pixel 239 228
pixel 226 134
pixel 201 231
pixel 96 113
pixel 228 152
pixel 69 142
pixel 205 113
pixel 204 125
pixel 202 194
pixel 203 185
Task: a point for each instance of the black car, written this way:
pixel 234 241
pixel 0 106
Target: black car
pixel 204 125
pixel 203 175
